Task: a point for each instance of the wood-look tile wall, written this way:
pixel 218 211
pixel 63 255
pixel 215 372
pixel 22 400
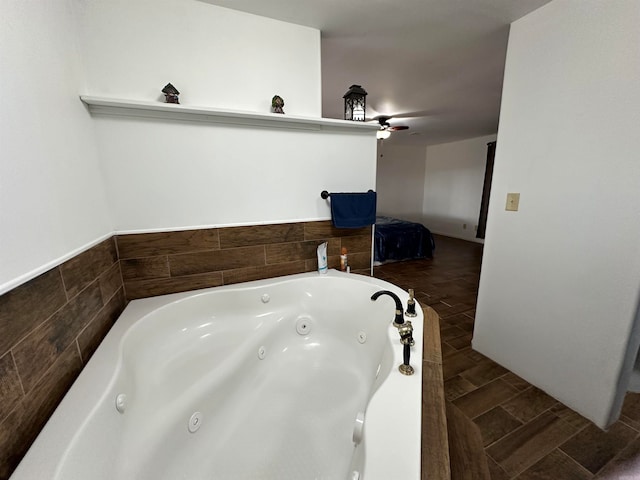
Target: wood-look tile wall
pixel 49 328
pixel 169 262
pixel 51 325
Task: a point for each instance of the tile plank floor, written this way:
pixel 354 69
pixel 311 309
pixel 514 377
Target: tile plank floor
pixel 526 433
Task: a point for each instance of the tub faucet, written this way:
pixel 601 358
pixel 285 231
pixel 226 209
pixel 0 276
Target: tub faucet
pixel 405 329
pixel 399 319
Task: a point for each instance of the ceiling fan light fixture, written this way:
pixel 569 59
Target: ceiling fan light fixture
pixel 383 134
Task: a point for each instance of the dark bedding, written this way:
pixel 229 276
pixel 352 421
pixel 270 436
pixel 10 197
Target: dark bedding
pixel 397 239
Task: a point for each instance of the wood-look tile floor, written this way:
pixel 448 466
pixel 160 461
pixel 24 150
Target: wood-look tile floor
pixel 526 433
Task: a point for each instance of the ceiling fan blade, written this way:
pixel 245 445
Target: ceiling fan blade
pixel 383 120
pixel 414 114
pixel 420 113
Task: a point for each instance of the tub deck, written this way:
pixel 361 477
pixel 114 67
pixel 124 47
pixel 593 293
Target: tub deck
pixel 435 444
pixel 451 442
pixel 174 356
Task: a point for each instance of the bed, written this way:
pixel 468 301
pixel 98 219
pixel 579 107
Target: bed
pixel 397 239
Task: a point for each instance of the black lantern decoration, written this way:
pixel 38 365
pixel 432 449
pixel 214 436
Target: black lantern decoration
pixel 354 103
pixel 170 93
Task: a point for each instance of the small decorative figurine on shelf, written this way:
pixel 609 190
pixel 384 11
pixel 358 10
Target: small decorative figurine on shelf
pixel 171 93
pixel 277 103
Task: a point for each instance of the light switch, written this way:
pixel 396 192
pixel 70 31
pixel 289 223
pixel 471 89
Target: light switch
pixel 513 200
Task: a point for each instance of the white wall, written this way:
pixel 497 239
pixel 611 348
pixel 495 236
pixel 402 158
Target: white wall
pixel 214 56
pixel 171 175
pixel 52 201
pixel 68 180
pixel 454 177
pixel 167 174
pixel 400 181
pixel 560 277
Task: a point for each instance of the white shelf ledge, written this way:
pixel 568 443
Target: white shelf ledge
pixel 169 111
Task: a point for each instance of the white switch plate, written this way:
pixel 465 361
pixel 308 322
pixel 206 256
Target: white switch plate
pixel 513 200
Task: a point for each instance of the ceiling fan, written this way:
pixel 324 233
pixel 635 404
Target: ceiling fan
pixel 386 128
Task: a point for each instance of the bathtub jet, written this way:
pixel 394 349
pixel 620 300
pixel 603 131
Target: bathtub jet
pixel 286 378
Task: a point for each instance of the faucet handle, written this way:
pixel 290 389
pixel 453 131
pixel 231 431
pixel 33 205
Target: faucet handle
pixel 411 305
pixel 406 333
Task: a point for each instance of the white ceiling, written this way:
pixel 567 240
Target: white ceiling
pixel 437 65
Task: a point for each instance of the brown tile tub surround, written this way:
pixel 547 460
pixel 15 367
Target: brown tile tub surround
pixel 49 328
pixel 51 325
pixel 159 263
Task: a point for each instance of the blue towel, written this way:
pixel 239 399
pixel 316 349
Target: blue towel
pixel 353 210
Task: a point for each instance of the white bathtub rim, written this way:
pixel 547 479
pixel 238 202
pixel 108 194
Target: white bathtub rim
pixel 400 459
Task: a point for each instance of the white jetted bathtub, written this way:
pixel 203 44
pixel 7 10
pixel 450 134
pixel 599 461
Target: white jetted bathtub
pixel 289 378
